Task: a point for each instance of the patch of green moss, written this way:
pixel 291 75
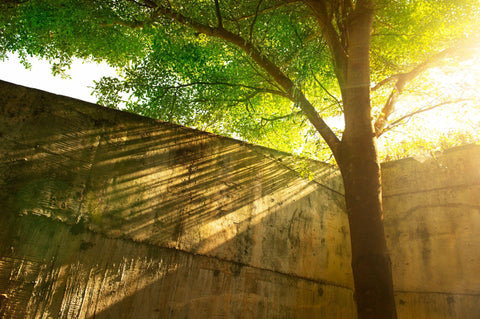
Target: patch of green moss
pixel 48 197
pixel 94 208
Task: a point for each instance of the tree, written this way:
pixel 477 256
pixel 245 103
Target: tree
pixel 251 68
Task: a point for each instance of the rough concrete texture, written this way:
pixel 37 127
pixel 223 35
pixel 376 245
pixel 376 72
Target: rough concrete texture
pixel 432 221
pixel 110 215
pixel 106 214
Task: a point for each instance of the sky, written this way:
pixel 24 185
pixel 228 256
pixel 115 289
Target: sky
pixel 40 77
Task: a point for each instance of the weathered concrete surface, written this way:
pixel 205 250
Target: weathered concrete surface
pixel 432 221
pixel 58 271
pixel 107 214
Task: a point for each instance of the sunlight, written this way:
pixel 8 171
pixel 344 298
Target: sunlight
pixel 39 76
pixel 447 102
pixel 452 93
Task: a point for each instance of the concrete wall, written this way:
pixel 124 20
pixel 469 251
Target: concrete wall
pixel 105 214
pixel 432 221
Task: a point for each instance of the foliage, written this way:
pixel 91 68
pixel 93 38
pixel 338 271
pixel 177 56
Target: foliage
pixel 177 74
pixel 61 29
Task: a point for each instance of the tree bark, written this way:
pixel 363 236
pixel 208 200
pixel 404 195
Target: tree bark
pixel 370 259
pixel 358 162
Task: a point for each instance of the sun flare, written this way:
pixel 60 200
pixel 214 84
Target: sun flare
pixel 446 101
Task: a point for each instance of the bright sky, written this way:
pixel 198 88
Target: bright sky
pixel 40 77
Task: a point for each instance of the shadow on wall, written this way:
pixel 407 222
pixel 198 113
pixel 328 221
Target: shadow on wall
pixel 128 177
pixel 159 185
pixel 105 214
pixel 89 276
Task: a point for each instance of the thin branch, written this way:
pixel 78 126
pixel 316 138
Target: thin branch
pixel 297 52
pixel 254 88
pixel 402 79
pixel 210 100
pixel 263 75
pixel 422 110
pixel 253 106
pixel 281 117
pixel 265 10
pixel 333 39
pixel 219 15
pixel 252 25
pixel 326 91
pixel 385 82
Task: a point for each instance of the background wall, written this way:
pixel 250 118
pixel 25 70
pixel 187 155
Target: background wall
pixel 432 221
pixel 105 214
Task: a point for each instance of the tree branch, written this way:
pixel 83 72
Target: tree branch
pixel 410 115
pixel 281 4
pixel 385 82
pixel 402 79
pixel 281 117
pixel 297 52
pixel 219 15
pixel 334 40
pixel 252 25
pixel 326 91
pixel 261 74
pixel 293 93
pixel 254 88
pixel 245 99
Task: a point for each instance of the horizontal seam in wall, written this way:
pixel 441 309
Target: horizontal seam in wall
pixel 181 251
pixel 430 190
pixel 438 293
pixel 321 282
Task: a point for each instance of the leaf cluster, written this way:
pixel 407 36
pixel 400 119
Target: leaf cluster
pixel 170 71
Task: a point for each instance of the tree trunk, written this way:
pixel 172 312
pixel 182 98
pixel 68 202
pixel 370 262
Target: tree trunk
pixel 370 259
pixel 358 162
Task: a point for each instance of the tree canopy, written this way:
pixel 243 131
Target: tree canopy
pixel 173 72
